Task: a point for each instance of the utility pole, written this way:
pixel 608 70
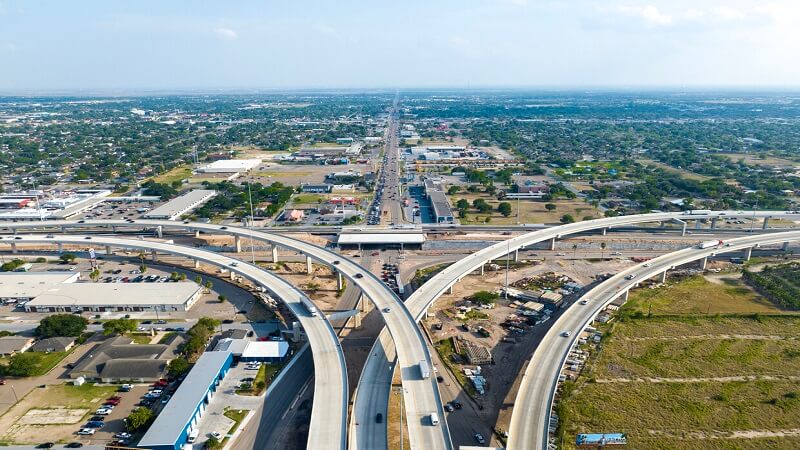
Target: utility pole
pixel 250 225
pixel 508 260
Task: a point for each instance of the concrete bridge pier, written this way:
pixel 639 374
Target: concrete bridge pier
pixel 13 247
pixel 108 249
pixel 153 255
pixel 274 253
pixel 449 289
pixel 625 295
pixel 60 248
pixel 664 276
pixel 766 223
pixel 160 231
pixel 483 266
pixel 604 230
pixel 748 253
pixel 197 234
pixel 516 255
pixel 785 246
pixel 683 230
pixel 704 263
pixel 714 223
pixel 237 242
pixel 196 263
pixel 339 281
pixel 552 244
pixel 309 265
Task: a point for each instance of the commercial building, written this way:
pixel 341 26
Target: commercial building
pixel 442 211
pixel 266 351
pixel 179 206
pixel 53 344
pixel 182 413
pixel 316 188
pixel 120 359
pixel 230 166
pixel 116 297
pixel 20 286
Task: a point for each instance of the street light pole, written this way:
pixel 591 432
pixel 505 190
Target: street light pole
pixel 508 258
pixel 250 224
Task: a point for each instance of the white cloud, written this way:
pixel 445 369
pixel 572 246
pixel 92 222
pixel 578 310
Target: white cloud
pixel 650 14
pixel 226 33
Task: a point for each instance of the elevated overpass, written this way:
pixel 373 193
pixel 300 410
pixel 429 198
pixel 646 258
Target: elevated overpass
pixel 372 392
pixel 329 414
pixel 421 396
pixel 533 404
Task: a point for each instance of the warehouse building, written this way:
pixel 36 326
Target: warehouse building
pixel 116 297
pixel 171 429
pixel 230 166
pixel 179 206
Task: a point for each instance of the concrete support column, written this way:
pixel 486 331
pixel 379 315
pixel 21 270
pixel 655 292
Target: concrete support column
pixel 113 229
pixel 625 295
pixel 664 276
pixel 153 255
pixel 309 265
pixel 196 263
pixel 60 248
pixel 604 231
pixel 516 255
pixel 766 223
pixel 698 224
pixel 237 242
pixel 14 231
pixel 196 234
pixel 714 223
pixel 449 290
pixel 339 281
pixel 64 229
pixel 553 244
pixel 785 246
pixel 274 253
pixel 108 249
pixel 683 231
pixel 704 263
pixel 748 253
pixel 233 275
pixel 482 268
pixel 13 247
pixel 160 231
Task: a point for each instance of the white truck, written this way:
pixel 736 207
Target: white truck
pixel 193 435
pixel 434 419
pixel 309 305
pixel 709 244
pixel 424 370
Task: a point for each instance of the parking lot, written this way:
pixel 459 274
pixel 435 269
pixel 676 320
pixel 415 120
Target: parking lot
pixel 116 210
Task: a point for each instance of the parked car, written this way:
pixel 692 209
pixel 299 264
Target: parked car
pixel 86 431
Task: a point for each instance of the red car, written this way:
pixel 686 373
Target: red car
pixel 2 381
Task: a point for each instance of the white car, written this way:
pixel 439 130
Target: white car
pixel 86 431
pixel 215 435
pixel 123 435
pixel 647 265
pixel 616 254
pixel 566 333
pixel 103 411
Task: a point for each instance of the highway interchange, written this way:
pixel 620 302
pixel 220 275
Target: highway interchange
pixel 421 396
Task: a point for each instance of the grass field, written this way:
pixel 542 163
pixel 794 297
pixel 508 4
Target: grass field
pixel 684 173
pixel 699 295
pixel 530 211
pixel 674 380
pixel 758 159
pixel 177 174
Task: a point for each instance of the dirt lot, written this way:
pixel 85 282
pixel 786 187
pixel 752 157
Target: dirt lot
pixel 52 413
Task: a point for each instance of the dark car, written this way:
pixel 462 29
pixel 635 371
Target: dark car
pixel 46 445
pixel 74 445
pixel 98 418
pixel 358 275
pixel 440 379
pixel 379 418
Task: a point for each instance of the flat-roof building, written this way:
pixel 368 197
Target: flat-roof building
pixel 179 206
pixel 230 166
pixel 29 285
pixel 266 351
pixel 116 297
pixel 184 410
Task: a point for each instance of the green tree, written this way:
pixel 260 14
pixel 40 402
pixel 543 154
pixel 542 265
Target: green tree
pixel 119 326
pixel 213 443
pixel 23 364
pixel 603 246
pixel 94 274
pixel 484 297
pixel 452 190
pixel 550 206
pixel 208 284
pixel 567 218
pixel 198 279
pixel 139 418
pixel 178 366
pixel 67 257
pixel 61 325
pixel 504 208
pixel 221 298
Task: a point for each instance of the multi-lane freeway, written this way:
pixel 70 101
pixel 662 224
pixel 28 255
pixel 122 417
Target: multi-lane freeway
pixel 530 416
pixel 329 414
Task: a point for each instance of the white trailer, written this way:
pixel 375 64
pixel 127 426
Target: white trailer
pixel 309 305
pixel 424 370
pixel 709 244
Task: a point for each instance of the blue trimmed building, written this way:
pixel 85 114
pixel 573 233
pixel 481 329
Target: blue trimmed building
pixel 171 428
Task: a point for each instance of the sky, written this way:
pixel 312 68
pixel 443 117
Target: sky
pixel 49 45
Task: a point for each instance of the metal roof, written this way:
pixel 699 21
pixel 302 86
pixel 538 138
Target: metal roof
pixel 181 205
pixel 266 349
pixel 381 238
pixel 180 409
